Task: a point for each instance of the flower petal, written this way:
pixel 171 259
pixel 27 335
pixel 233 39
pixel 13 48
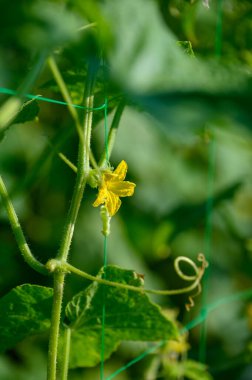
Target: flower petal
pixel 112 203
pixel 121 188
pixel 112 187
pixel 108 176
pixel 121 170
pixel 102 196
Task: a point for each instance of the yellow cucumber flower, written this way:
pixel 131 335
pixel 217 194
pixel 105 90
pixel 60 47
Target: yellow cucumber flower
pixel 113 187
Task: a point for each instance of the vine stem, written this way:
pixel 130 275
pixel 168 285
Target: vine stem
pixel 63 88
pixel 112 133
pixel 58 290
pixel 18 232
pixel 67 97
pixel 81 178
pixel 66 353
pixel 54 265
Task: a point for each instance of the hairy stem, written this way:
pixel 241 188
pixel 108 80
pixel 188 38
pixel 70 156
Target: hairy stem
pixel 18 232
pixel 58 290
pixel 66 353
pixel 82 174
pixel 81 178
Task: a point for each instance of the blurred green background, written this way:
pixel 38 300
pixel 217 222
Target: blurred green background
pixel 177 103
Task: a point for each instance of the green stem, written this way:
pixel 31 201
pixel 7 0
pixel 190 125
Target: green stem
pixel 65 93
pixel 63 88
pixel 81 178
pixel 63 157
pixel 82 173
pixel 18 232
pixel 70 268
pixel 68 162
pixel 58 290
pixel 66 353
pixel 112 133
pixel 208 239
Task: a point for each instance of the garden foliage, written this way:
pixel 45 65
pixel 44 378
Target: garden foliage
pixel 166 86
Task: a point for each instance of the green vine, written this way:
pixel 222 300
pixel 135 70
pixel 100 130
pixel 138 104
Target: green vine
pixel 103 178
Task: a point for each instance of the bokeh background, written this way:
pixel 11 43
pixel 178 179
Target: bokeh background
pixel 181 98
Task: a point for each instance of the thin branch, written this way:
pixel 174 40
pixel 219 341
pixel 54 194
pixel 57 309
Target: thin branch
pixel 63 88
pixel 18 232
pixel 65 93
pixel 112 132
pixel 196 278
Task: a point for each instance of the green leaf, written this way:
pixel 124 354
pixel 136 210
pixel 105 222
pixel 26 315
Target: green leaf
pixel 185 111
pixel 8 111
pixel 52 25
pixel 75 85
pixel 129 316
pixel 75 82
pixel 146 57
pixel 24 311
pixel 186 216
pixel 18 115
pixel 190 369
pixel 187 46
pixel 181 92
pixel 28 112
pixel 38 25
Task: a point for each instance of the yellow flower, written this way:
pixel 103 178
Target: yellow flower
pixel 113 187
